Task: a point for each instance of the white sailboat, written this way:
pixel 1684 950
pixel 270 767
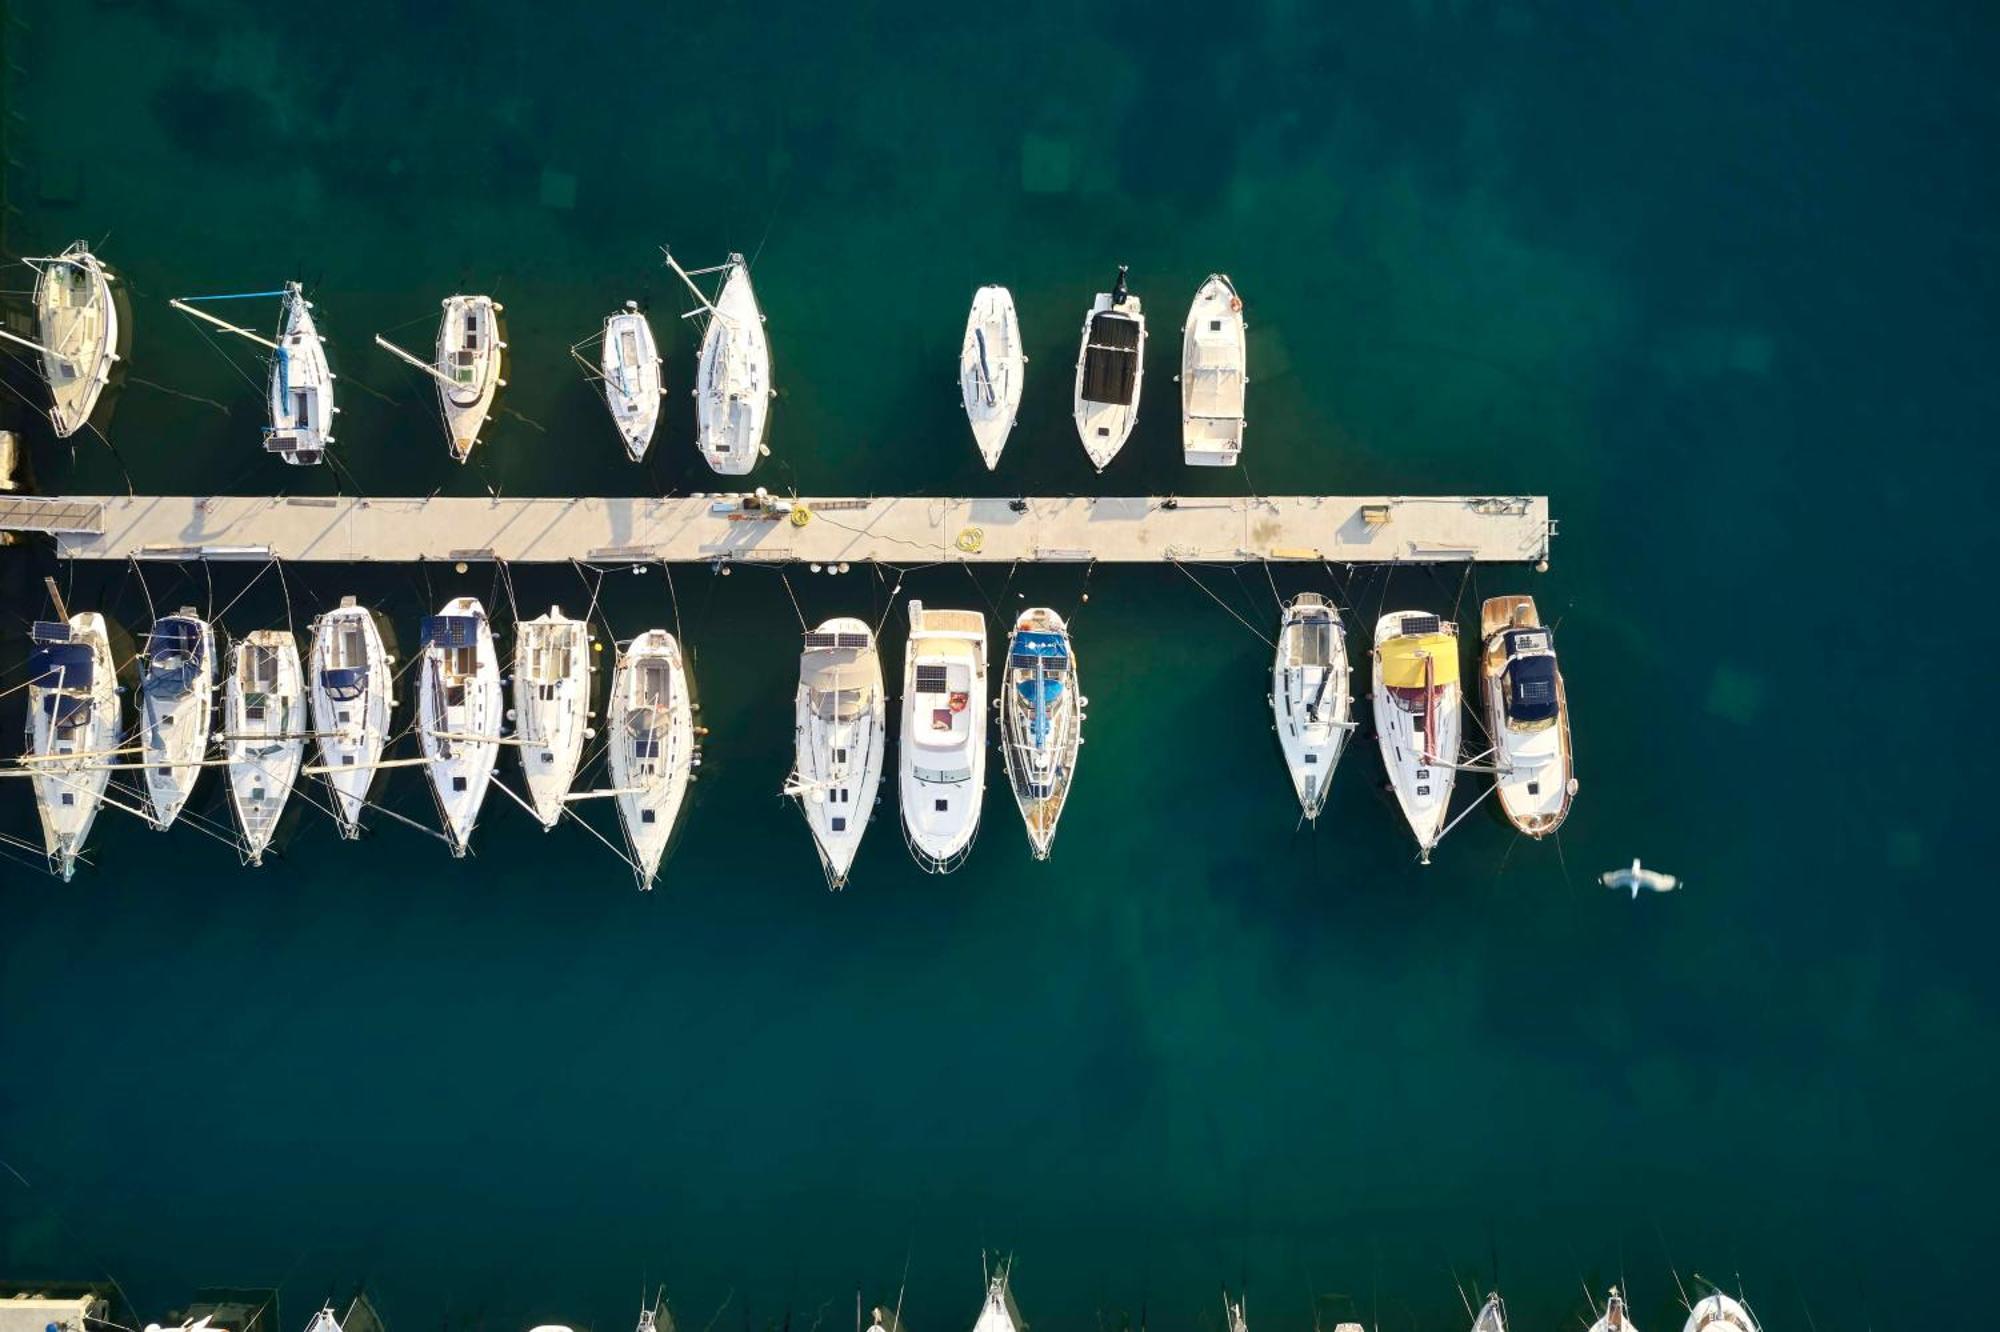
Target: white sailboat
pixel 459 713
pixel 72 730
pixel 468 365
pixel 1492 1316
pixel 324 1321
pixel 1311 698
pixel 1233 1317
pixel 352 698
pixel 551 713
pixel 263 733
pixel 1041 722
pixel 78 323
pixel 176 710
pixel 991 369
pixel 941 763
pixel 1716 1312
pixel 1527 715
pixel 652 750
pixel 1614 1318
pixel 301 382
pixel 1417 717
pixel 998 1313
pixel 630 361
pixel 1213 361
pixel 733 389
pixel 1110 371
pixel 840 721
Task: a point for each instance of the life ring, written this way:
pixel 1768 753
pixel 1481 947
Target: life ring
pixel 801 515
pixel 970 539
pixel 958 702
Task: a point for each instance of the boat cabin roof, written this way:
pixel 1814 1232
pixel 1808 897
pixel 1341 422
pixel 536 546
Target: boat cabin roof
pixel 1531 695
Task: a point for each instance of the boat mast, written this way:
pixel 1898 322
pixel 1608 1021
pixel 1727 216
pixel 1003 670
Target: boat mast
pixel 1430 708
pixel 421 364
pixel 224 324
pixel 674 264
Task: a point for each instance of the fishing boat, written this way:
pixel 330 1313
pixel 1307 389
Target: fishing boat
pixel 301 382
pixel 1311 701
pixel 1492 1316
pixel 352 697
pixel 1110 371
pixel 176 708
pixel 941 763
pixel 990 370
pixel 1716 1312
pixel 551 713
pixel 1041 722
pixel 459 713
pixel 1213 358
pixel 998 1313
pixel 1614 1318
pixel 630 360
pixel 840 721
pixel 72 730
pixel 732 389
pixel 1527 714
pixel 78 323
pixel 653 755
pixel 1417 717
pixel 263 733
pixel 467 366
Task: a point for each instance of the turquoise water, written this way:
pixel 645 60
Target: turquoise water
pixel 1718 279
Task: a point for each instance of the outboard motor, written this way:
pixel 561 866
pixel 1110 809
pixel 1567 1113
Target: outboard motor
pixel 1118 292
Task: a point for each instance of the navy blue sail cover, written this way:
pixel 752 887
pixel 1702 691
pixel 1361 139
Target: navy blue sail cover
pixel 451 631
pixel 1531 689
pixel 61 666
pixel 344 685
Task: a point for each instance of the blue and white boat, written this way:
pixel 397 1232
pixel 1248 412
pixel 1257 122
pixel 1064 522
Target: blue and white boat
pixel 301 382
pixel 176 710
pixel 1041 721
pixel 72 730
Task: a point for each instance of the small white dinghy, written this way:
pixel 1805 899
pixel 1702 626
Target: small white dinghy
pixel 352 697
pixel 467 365
pixel 551 713
pixel 1527 715
pixel 630 361
pixel 176 710
pixel 78 323
pixel 1614 1318
pixel 1041 722
pixel 459 711
pixel 263 733
pixel 72 730
pixel 1110 371
pixel 1311 698
pixel 840 722
pixel 652 750
pixel 733 380
pixel 300 396
pixel 941 763
pixel 1417 717
pixel 991 368
pixel 1716 1312
pixel 1213 360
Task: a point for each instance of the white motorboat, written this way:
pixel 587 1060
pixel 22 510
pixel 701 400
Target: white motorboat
pixel 300 398
pixel 459 711
pixel 263 733
pixel 78 323
pixel 991 368
pixel 1716 1312
pixel 1041 722
pixel 551 713
pixel 1311 698
pixel 1527 715
pixel 941 762
pixel 468 366
pixel 630 361
pixel 352 697
pixel 1213 361
pixel 72 730
pixel 652 749
pixel 176 710
pixel 998 1313
pixel 1492 1316
pixel 1110 371
pixel 1417 717
pixel 1614 1318
pixel 840 722
pixel 733 389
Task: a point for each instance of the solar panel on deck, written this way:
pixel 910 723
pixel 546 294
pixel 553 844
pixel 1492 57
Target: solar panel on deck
pixel 1420 624
pixel 51 631
pixel 815 639
pixel 931 679
pixel 451 631
pixel 851 640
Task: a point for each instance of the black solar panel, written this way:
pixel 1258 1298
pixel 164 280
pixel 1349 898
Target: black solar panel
pixel 815 639
pixel 930 679
pixel 1420 624
pixel 850 640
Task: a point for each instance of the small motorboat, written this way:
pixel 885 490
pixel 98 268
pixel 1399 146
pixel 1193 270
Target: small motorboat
pixel 652 750
pixel 78 323
pixel 551 713
pixel 352 698
pixel 1041 722
pixel 72 730
pixel 630 361
pixel 1614 1318
pixel 1110 371
pixel 1311 699
pixel 300 398
pixel 990 370
pixel 459 709
pixel 1527 715
pixel 840 724
pixel 468 365
pixel 733 378
pixel 1213 358
pixel 176 710
pixel 941 762
pixel 1417 717
pixel 1716 1312
pixel 263 733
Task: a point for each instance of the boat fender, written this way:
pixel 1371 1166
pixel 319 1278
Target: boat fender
pixel 590 732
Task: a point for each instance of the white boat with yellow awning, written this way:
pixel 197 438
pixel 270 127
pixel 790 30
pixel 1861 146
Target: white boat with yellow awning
pixel 1417 696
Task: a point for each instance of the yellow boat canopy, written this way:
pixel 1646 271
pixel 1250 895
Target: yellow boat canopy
pixel 1403 660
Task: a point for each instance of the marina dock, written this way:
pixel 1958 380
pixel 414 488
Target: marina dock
pixel 1373 529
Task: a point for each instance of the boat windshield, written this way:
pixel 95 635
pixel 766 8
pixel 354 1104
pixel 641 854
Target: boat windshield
pixel 1531 691
pixel 344 685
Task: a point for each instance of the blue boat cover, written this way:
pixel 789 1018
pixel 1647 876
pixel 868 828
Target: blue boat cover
pixel 1531 689
pixel 1039 695
pixel 345 685
pixel 1033 645
pixel 61 665
pixel 451 631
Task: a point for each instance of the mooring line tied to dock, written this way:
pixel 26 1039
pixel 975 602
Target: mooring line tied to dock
pixel 1234 614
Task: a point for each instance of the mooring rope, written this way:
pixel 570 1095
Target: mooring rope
pixel 1225 605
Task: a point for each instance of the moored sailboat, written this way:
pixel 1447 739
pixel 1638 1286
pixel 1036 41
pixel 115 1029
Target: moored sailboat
pixel 300 396
pixel 1717 1312
pixel 733 389
pixel 352 697
pixel 941 762
pixel 1613 1318
pixel 467 364
pixel 459 713
pixel 72 730
pixel 1417 717
pixel 1527 715
pixel 990 370
pixel 78 323
pixel 1110 372
pixel 630 361
pixel 1213 382
pixel 551 713
pixel 840 723
pixel 1311 698
pixel 1492 1315
pixel 998 1312
pixel 652 748
pixel 1041 722
pixel 176 711
pixel 263 733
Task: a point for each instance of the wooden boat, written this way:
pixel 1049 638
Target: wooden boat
pixel 77 320
pixel 990 370
pixel 352 697
pixel 941 762
pixel 630 361
pixel 551 713
pixel 1311 701
pixel 176 711
pixel 468 365
pixel 1110 372
pixel 1527 715
pixel 733 376
pixel 840 727
pixel 1213 361
pixel 72 730
pixel 263 733
pixel 1041 722
pixel 1417 719
pixel 652 751
pixel 300 396
pixel 459 714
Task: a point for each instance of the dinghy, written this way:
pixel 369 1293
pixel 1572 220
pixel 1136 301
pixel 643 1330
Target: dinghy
pixel 78 323
pixel 301 382
pixel 998 1313
pixel 1311 700
pixel 1213 358
pixel 733 380
pixel 352 697
pixel 1417 717
pixel 551 712
pixel 176 709
pixel 631 364
pixel 652 745
pixel 840 721
pixel 990 370
pixel 1614 1318
pixel 1041 722
pixel 1492 1316
pixel 1527 715
pixel 459 713
pixel 941 763
pixel 263 733
pixel 1110 371
pixel 1716 1312
pixel 467 366
pixel 72 730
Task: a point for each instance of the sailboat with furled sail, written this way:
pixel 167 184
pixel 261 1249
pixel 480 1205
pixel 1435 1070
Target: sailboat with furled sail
pixel 263 733
pixel 352 696
pixel 652 749
pixel 467 364
pixel 990 366
pixel 998 1313
pixel 301 382
pixel 1041 722
pixel 1417 702
pixel 840 724
pixel 629 360
pixel 1527 715
pixel 1717 1312
pixel 733 389
pixel 459 713
pixel 1614 1318
pixel 1311 701
pixel 176 710
pixel 1492 1315
pixel 72 730
pixel 78 323
pixel 551 712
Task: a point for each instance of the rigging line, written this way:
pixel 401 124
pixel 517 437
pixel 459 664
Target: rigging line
pixel 1225 605
pixel 638 875
pixel 404 819
pixel 1459 600
pixel 245 592
pixel 116 456
pixel 797 610
pixel 1271 578
pixel 285 588
pixel 890 609
pixel 674 597
pixel 1467 810
pixel 152 615
pixel 227 361
pixel 177 393
pixel 990 603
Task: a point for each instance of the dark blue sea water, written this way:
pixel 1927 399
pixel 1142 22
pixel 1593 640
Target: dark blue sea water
pixel 1718 278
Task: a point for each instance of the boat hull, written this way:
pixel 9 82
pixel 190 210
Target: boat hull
pixel 459 716
pixel 1214 357
pixel 174 723
pixel 1418 737
pixel 1041 718
pixel 264 719
pixel 991 369
pixel 551 681
pixel 301 389
pixel 1110 376
pixel 1311 698
pixel 733 385
pixel 941 760
pixel 78 322
pixel 652 750
pixel 471 354
pixel 630 362
pixel 350 717
pixel 839 728
pixel 1536 778
pixel 70 790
